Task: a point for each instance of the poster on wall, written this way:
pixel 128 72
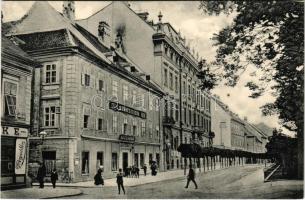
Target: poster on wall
pixel 20 156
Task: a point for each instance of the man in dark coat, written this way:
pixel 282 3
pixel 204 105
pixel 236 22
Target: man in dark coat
pixel 41 174
pixel 145 169
pixel 54 177
pixel 119 181
pixel 191 177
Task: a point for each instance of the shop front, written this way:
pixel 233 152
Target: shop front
pixel 14 147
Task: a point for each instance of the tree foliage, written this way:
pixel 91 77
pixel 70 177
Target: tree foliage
pixel 267 35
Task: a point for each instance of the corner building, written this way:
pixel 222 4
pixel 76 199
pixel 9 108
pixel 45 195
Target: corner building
pixel 95 110
pixel 16 81
pixel 162 52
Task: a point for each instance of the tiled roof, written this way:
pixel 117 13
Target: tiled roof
pixel 42 17
pixel 9 47
pixel 45 40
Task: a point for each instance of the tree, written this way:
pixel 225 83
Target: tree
pixel 269 37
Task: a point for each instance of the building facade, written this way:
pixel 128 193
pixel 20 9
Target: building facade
pixel 220 123
pixel 16 80
pixel 162 52
pixel 95 110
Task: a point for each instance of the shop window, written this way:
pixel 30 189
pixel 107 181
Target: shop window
pixel 7 156
pixel 136 159
pixel 85 162
pixel 158 159
pixel 142 162
pixel 86 121
pixel 114 162
pixel 100 159
pixel 51 73
pixel 49 159
pixel 150 156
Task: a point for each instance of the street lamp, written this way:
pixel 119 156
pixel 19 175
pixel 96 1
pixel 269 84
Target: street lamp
pixel 42 135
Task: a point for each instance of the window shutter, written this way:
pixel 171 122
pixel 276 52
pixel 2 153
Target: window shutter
pixel 97 84
pixel 83 79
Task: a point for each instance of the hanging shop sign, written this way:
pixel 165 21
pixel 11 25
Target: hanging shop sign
pixel 14 131
pixel 20 156
pixel 127 138
pixel 125 109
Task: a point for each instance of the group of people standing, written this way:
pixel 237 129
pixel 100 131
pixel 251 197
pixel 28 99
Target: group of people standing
pixel 41 173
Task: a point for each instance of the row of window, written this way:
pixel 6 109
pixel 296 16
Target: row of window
pixel 135 128
pixel 139 160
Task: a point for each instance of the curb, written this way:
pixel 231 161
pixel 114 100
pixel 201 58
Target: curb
pixel 68 195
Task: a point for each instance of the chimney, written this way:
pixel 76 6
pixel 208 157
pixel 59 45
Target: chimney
pixel 69 10
pixel 104 33
pixel 245 119
pixel 143 15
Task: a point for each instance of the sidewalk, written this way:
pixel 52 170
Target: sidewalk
pixel 161 176
pixel 37 193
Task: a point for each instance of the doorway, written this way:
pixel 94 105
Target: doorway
pixel 125 160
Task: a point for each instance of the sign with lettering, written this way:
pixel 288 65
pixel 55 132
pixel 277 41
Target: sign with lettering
pixel 20 156
pixel 128 138
pixel 125 109
pixel 14 131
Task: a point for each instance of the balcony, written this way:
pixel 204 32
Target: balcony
pixel 168 121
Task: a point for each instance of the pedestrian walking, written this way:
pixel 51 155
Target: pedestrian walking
pixel 98 178
pixel 119 181
pixel 137 172
pixel 145 169
pixel 153 168
pixel 41 174
pixel 54 177
pixel 191 177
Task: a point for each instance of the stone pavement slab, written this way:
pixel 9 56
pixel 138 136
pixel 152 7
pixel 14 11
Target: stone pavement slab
pixel 37 193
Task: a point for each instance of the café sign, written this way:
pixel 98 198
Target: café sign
pixel 127 138
pixel 125 109
pixel 14 131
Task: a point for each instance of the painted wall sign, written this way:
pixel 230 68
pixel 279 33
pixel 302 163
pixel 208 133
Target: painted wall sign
pixel 128 138
pixel 14 131
pixel 125 109
pixel 20 156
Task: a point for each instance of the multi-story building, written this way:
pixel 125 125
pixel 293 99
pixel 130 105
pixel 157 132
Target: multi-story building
pixel 220 123
pixel 16 79
pixel 162 52
pixel 238 138
pixel 92 101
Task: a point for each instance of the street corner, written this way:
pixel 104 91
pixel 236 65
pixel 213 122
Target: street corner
pixel 39 193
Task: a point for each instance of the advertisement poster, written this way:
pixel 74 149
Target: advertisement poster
pixel 20 156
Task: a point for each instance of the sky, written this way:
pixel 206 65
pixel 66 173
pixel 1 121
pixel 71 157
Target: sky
pixel 198 29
